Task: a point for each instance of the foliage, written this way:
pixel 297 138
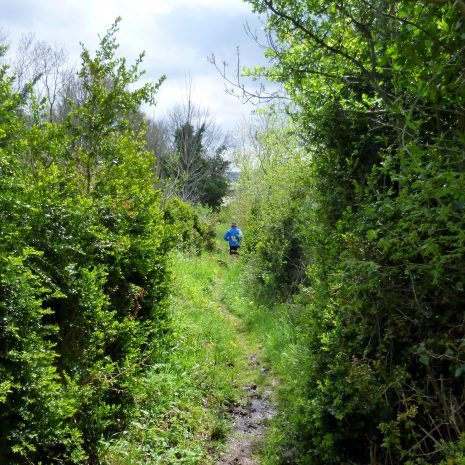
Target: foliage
pixel 215 184
pixel 183 407
pixel 268 204
pixel 197 175
pixel 83 265
pixel 375 216
pixel 192 229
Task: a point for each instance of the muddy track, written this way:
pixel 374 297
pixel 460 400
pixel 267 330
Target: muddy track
pixel 250 419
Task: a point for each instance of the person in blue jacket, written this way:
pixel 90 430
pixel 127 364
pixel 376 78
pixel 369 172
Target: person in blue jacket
pixel 234 237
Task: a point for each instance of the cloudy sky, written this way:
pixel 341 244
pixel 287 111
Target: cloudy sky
pixel 176 35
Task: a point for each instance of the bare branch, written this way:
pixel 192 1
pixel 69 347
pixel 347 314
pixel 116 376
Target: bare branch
pixel 236 87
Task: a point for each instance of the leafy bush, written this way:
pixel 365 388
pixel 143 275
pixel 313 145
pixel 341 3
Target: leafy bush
pixel 378 226
pixel 83 266
pixel 192 228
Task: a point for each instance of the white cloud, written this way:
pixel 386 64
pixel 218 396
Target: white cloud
pixel 177 36
pixel 207 93
pixel 227 6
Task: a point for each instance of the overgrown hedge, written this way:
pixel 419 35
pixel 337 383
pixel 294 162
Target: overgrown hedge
pixel 192 228
pixel 84 247
pixel 367 235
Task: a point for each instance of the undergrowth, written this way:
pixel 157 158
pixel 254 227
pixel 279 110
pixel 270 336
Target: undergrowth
pixel 279 330
pixel 184 400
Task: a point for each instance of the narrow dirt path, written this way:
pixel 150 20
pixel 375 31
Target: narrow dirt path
pixel 251 416
pixel 250 419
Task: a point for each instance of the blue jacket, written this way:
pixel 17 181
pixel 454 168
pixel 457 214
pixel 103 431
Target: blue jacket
pixel 234 236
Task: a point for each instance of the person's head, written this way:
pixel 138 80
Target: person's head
pixel 233 224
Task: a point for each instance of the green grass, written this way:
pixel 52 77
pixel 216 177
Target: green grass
pixel 279 330
pixel 272 326
pixel 184 400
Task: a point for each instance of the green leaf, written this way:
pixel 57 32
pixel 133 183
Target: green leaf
pixel 424 359
pixel 372 234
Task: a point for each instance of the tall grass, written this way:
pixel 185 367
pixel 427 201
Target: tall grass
pixel 184 401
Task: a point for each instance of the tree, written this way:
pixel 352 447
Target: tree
pixel 83 264
pixel 190 153
pixel 43 67
pixel 215 184
pixel 109 105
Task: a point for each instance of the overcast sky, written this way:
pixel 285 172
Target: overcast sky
pixel 176 35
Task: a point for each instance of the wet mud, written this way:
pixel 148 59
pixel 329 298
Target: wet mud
pixel 250 419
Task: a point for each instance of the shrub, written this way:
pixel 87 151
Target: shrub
pixel 83 266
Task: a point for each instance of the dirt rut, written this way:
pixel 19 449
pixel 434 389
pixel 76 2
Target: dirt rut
pixel 250 419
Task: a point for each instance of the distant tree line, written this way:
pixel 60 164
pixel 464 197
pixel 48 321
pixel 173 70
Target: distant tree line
pixel 191 152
